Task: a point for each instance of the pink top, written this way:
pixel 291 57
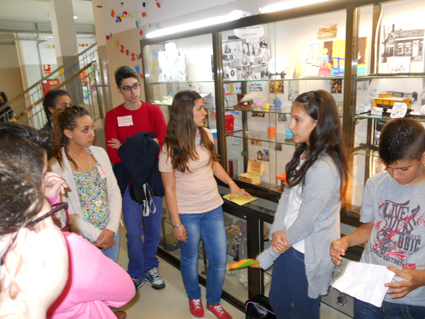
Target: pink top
pixel 197 191
pixel 94 284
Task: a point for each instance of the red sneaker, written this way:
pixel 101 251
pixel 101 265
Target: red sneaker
pixel 196 308
pixel 218 311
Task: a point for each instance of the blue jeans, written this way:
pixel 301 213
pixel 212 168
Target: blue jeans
pixel 289 285
pixel 210 226
pixel 389 310
pixel 113 252
pixel 141 254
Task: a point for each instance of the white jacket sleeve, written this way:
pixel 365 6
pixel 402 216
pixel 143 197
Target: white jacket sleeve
pixel 76 220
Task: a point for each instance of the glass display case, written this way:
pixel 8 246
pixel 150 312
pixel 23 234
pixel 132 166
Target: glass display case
pixel 250 71
pixel 265 67
pixel 180 64
pixel 394 82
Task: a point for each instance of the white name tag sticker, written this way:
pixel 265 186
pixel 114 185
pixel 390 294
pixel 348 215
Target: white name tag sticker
pixel 125 120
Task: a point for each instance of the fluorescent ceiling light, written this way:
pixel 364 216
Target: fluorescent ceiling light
pixel 234 15
pixel 288 5
pixel 75 16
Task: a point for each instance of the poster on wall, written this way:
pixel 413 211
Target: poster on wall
pixel 399 64
pixel 246 59
pixel 336 86
pixel 293 90
pixel 402 43
pixel 314 55
pixel 172 66
pixel 327 32
pixel 276 87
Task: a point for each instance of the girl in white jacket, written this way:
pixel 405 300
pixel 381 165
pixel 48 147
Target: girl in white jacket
pixel 93 197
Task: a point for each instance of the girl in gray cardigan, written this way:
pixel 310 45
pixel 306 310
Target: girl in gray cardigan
pixel 307 218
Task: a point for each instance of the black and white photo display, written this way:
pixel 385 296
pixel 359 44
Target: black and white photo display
pixel 246 59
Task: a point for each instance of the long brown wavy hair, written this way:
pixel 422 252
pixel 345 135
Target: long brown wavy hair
pixel 181 133
pixel 64 119
pixel 326 138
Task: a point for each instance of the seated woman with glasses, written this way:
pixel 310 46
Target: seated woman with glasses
pixel 94 199
pixel 95 282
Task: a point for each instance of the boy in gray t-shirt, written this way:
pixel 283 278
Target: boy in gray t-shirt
pixel 393 217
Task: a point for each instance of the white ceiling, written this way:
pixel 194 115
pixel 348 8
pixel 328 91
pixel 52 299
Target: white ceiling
pixel 38 11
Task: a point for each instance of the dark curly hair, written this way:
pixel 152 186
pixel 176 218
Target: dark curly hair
pixel 20 198
pixel 26 146
pixel 125 72
pixel 401 139
pixel 50 100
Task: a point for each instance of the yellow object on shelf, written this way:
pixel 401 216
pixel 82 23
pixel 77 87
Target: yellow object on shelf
pixel 253 174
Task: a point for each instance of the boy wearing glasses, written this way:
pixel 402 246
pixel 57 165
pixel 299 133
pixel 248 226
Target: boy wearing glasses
pixel 122 122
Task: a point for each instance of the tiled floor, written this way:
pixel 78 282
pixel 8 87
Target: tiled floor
pixel 171 302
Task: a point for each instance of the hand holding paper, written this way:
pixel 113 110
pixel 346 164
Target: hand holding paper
pixel 365 282
pixel 410 279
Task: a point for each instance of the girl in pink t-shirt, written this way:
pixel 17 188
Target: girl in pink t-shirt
pixel 188 164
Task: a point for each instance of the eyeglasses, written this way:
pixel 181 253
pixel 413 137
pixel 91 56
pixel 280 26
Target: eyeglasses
pixel 59 215
pixel 60 218
pixel 135 86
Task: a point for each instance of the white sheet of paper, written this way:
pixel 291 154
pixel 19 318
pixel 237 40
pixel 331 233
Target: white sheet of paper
pixel 365 282
pixel 125 120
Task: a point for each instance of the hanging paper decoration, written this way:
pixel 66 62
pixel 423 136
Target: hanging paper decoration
pixel 157 25
pixel 117 45
pixel 126 52
pixel 144 4
pixel 133 57
pixel 141 32
pixel 118 19
pixel 158 4
pixel 124 13
pixel 113 13
pixel 122 48
pixel 137 68
pixel 242 263
pixel 143 14
pixel 137 24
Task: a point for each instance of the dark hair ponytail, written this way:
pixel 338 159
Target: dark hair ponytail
pixel 64 119
pixel 326 137
pixel 50 100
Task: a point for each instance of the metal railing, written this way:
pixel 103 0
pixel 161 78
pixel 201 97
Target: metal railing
pixel 80 77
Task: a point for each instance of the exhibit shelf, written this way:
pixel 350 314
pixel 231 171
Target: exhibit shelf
pixel 261 136
pixel 309 78
pixel 178 82
pixel 391 76
pixel 284 110
pixel 365 153
pixel 387 118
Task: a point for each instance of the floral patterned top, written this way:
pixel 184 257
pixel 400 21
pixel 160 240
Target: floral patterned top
pixel 93 193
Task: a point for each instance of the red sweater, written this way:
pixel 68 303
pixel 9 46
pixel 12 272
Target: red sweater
pixel 121 123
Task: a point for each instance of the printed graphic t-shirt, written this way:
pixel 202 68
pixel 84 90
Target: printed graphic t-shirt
pixel 397 238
